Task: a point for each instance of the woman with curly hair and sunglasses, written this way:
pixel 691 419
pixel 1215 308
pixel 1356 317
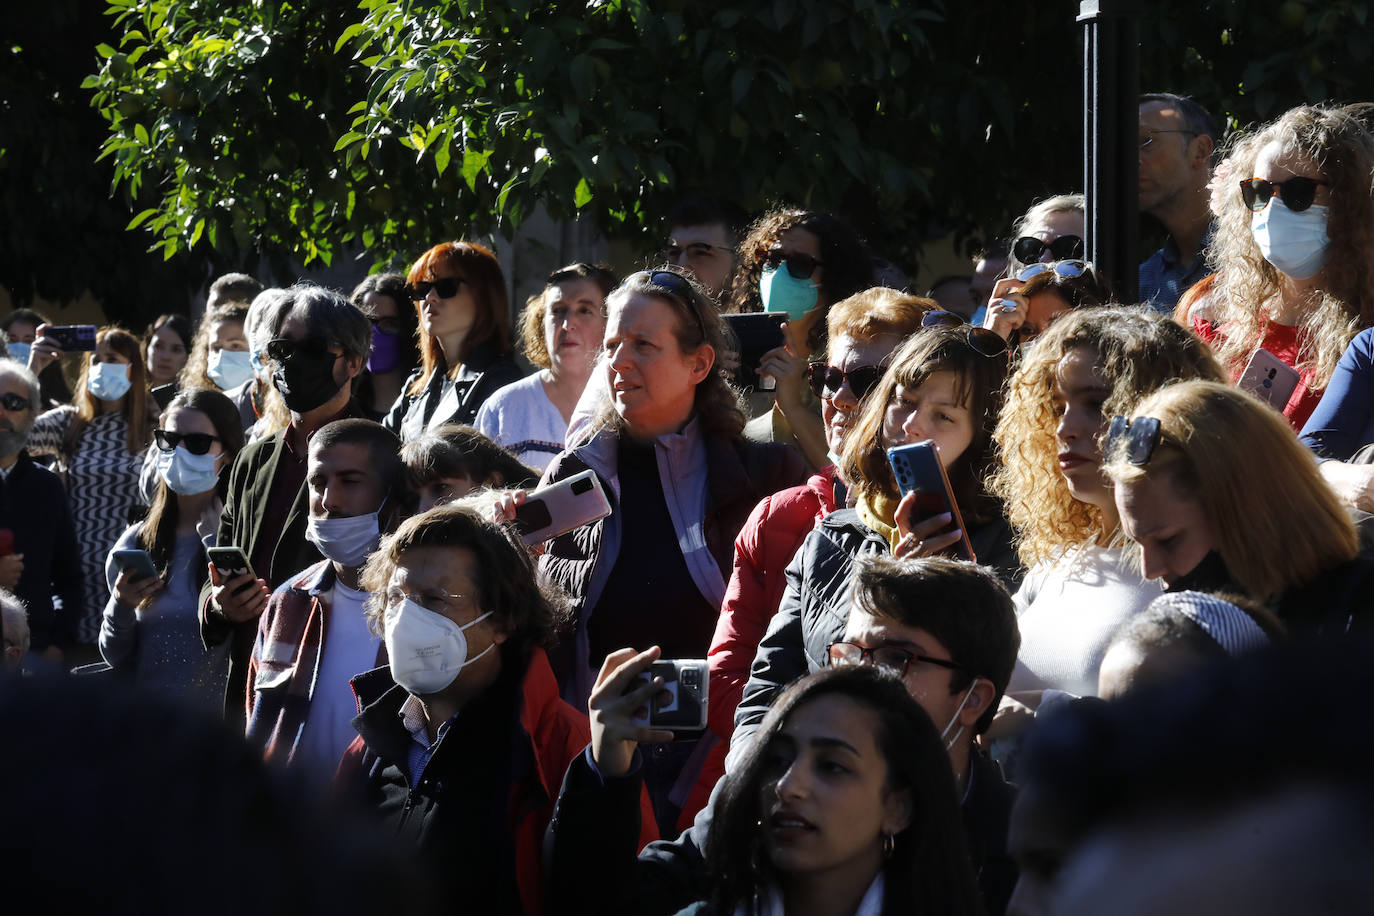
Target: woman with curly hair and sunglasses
pixel 797 263
pixel 1089 366
pixel 1294 248
pixel 465 347
pixel 681 479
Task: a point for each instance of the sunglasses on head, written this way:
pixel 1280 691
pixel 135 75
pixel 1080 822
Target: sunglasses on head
pixel 801 266
pixel 1028 248
pixel 280 349
pixel 444 287
pixel 677 286
pixel 826 381
pixel 1066 269
pixel 14 403
pixel 196 443
pixel 1142 437
pixel 1296 193
pixel 981 340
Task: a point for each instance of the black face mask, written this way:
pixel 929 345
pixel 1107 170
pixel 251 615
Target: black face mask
pixel 306 380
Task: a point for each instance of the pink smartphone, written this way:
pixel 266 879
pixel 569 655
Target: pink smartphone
pixel 1269 378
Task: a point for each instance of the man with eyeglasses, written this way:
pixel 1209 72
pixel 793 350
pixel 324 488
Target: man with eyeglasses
pixel 38 553
pixel 323 342
pixel 701 240
pixel 946 628
pixel 1177 139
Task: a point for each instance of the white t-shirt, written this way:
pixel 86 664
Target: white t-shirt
pixel 521 418
pixel 349 648
pixel 1068 612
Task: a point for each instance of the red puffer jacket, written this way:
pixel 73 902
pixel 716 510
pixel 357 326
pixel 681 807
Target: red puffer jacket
pixel 764 547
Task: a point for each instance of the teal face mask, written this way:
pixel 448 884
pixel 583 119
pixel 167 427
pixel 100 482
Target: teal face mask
pixel 782 292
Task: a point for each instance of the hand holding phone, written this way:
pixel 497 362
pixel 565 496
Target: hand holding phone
pixel 680 701
pixel 928 506
pixel 1269 378
pixel 235 592
pixel 560 507
pixel 619 693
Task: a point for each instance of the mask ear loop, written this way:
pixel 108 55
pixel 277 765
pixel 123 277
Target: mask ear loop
pixel 949 742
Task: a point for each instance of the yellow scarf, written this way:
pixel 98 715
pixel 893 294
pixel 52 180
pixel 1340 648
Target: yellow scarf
pixel 878 513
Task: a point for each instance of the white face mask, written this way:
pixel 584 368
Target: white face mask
pixel 1295 243
pixel 186 474
pixel 949 741
pixel 427 650
pixel 347 541
pixel 108 381
pixel 230 368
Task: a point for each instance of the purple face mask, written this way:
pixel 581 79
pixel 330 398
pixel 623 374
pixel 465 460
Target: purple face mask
pixel 386 351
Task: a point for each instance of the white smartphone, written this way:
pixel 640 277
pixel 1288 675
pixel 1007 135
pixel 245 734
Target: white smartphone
pixel 1269 378
pixel 560 507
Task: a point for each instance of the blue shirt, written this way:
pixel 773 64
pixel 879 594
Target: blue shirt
pixel 1164 279
pixel 1344 420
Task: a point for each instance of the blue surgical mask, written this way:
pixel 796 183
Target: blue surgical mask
pixel 782 292
pixel 1295 243
pixel 347 541
pixel 186 474
pixel 19 352
pixel 108 381
pixel 230 368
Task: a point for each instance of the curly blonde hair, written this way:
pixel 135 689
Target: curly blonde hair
pixel 1138 351
pixel 1338 144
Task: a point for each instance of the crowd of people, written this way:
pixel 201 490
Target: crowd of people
pixel 311 517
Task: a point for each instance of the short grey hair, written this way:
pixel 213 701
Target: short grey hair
pixel 15 369
pixel 330 319
pixel 264 317
pixel 14 620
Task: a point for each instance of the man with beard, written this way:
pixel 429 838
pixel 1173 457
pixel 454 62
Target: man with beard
pixel 38 554
pixel 323 342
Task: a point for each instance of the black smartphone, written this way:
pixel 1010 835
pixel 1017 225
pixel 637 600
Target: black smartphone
pixel 72 337
pixel 686 680
pixel 137 560
pixel 560 507
pixel 918 469
pixel 230 562
pixel 755 333
pixel 163 394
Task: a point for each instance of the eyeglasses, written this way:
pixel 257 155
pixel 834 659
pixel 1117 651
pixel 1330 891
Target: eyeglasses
pixel 1028 248
pixel 196 443
pixel 281 349
pixel 1142 435
pixel 981 340
pixel 801 266
pixel 14 403
pixel 431 600
pixel 1066 269
pixel 1147 139
pixel 1297 193
pixel 445 287
pixel 826 381
pixel 695 251
pixel 893 659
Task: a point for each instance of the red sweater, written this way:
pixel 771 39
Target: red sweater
pixel 1282 341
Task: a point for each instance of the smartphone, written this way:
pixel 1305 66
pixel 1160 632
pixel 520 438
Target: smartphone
pixel 137 560
pixel 163 394
pixel 230 562
pixel 72 336
pixel 6 542
pixel 561 507
pixel 686 680
pixel 1269 378
pixel 754 335
pixel 918 469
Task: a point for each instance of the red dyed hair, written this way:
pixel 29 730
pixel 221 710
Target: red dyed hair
pixel 479 267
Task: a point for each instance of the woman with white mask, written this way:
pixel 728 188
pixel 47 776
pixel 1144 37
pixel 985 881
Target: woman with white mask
pixel 1294 247
pixel 151 628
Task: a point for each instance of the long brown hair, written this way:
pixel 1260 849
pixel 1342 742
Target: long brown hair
pixel 478 267
pixel 135 408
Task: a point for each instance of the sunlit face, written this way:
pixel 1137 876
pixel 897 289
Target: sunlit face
pixel 443 490
pixel 574 324
pixel 228 335
pixel 1166 172
pixel 1274 164
pixel 343 482
pixel 1041 309
pixel 22 332
pixel 706 252
pixel 824 798
pixel 847 353
pixel 1080 392
pixel 451 316
pixel 653 383
pixel 931 410
pixel 1052 225
pixel 187 420
pixel 166 356
pixel 1170 527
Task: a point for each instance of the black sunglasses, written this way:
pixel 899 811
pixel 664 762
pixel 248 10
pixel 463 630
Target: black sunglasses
pixel 1296 193
pixel 14 403
pixel 196 443
pixel 1064 248
pixel 801 266
pixel 281 349
pixel 680 288
pixel 981 340
pixel 826 381
pixel 445 287
pixel 893 659
pixel 1142 438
